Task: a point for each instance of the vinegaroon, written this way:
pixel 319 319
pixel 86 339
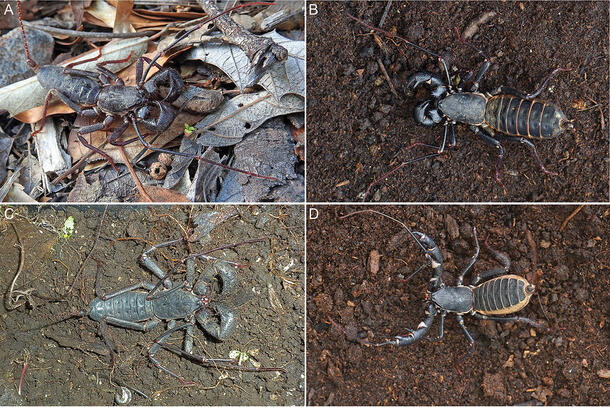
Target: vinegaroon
pixel 92 94
pixel 144 305
pixel 489 300
pixel 505 114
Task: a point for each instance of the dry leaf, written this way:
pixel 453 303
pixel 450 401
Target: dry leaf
pixel 160 194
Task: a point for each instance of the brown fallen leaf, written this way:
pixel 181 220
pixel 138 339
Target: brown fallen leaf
pixel 85 192
pixel 160 194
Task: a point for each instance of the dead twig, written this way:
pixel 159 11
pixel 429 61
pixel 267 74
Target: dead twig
pixel 261 51
pixel 474 26
pixel 385 13
pixel 85 34
pixel 387 77
pixel 574 213
pixel 136 180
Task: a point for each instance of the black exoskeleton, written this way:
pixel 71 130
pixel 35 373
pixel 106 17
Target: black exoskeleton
pixel 504 114
pixel 484 298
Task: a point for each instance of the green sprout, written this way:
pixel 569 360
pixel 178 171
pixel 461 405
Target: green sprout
pixel 68 228
pixel 188 129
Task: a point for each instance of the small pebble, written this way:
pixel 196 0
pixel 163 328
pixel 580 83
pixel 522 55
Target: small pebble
pixel 165 159
pixel 452 227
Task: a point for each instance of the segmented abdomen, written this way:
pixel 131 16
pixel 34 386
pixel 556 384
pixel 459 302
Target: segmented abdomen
pixel 524 118
pixel 502 295
pixel 129 306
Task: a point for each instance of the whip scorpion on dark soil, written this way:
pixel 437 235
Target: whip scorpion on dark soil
pixel 491 295
pixel 197 300
pixel 502 115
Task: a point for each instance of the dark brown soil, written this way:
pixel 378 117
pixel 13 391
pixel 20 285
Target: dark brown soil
pixel 512 362
pixel 68 363
pixel 358 128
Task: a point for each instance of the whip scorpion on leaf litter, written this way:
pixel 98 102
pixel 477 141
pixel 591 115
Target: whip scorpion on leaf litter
pixel 146 105
pixel 491 294
pixel 504 114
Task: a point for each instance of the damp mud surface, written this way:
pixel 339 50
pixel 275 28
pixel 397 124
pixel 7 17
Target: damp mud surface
pixel 68 363
pixel 357 287
pixel 359 129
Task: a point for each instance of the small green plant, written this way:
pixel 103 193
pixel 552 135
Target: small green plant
pixel 188 129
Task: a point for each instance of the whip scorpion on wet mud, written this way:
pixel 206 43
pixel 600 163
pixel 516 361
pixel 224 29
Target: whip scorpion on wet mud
pixel 197 300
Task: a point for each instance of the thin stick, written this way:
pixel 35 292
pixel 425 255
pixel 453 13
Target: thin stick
pixel 574 213
pixel 91 34
pixel 385 13
pixel 136 180
pixel 387 77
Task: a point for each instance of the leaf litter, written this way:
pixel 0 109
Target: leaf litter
pixel 240 108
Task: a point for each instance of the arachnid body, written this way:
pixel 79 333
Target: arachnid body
pixel 142 306
pixel 502 295
pixel 484 298
pixel 505 114
pixel 501 115
pixel 104 94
